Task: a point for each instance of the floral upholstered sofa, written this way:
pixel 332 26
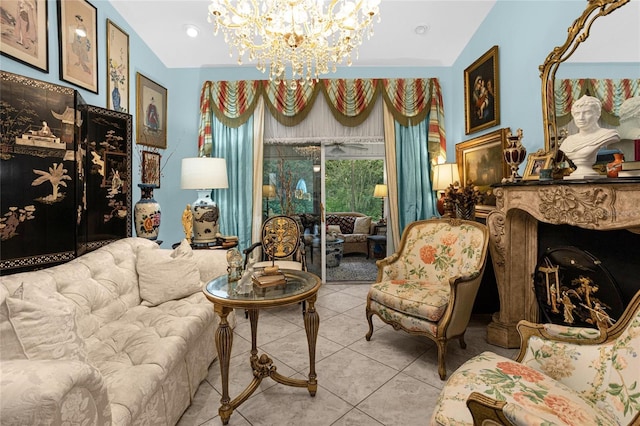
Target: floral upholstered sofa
pixel 353 228
pixel 562 376
pixel 122 335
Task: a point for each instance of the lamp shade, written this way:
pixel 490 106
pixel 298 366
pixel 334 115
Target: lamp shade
pixel 380 191
pixel 204 173
pixel 444 175
pixel 268 191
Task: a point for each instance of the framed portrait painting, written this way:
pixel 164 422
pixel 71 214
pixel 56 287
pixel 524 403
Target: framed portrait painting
pixel 117 68
pixel 481 93
pixel 481 161
pixel 536 162
pixel 24 32
pixel 151 168
pixel 78 36
pixel 151 113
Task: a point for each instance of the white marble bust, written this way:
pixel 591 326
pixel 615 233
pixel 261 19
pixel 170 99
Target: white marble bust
pixel 630 119
pixel 582 148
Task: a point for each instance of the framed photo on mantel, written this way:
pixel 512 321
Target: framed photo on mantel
pixel 481 93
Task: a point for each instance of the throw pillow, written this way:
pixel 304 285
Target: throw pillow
pixel 45 325
pixel 165 275
pixel 362 225
pixel 333 229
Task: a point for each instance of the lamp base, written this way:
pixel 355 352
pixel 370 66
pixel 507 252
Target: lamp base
pixel 205 218
pixel 440 204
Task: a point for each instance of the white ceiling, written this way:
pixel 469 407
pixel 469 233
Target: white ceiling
pixel 161 24
pixel 451 24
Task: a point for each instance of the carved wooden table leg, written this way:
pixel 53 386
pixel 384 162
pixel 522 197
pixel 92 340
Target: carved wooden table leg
pixel 311 326
pixel 224 340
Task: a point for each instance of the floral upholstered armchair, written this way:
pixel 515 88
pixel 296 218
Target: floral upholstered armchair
pixel 428 287
pixel 562 376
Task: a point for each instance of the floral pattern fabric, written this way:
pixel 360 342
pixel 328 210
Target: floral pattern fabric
pixel 417 282
pixel 556 382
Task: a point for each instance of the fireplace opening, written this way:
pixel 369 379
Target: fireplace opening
pixel 617 250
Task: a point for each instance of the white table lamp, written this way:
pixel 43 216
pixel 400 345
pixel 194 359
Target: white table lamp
pixel 204 174
pixel 381 191
pixel 444 175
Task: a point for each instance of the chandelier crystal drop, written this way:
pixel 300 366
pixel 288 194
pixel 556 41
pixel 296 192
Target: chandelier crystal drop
pixel 305 34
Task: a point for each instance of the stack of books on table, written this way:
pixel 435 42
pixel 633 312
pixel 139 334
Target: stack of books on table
pixel 267 280
pixel 630 169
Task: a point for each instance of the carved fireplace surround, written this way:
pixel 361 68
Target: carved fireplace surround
pixel 604 204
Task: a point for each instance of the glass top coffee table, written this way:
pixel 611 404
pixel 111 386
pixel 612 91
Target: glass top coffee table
pixel 226 296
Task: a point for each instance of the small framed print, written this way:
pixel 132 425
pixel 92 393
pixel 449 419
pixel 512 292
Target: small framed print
pixel 78 36
pixel 481 93
pixel 535 163
pixel 117 68
pixel 151 168
pixel 24 32
pixel 151 113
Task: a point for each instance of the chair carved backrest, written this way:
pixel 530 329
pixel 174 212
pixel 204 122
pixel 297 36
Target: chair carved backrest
pixel 280 238
pixel 438 249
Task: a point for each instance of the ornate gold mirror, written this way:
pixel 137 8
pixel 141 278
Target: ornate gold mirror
pixel 577 33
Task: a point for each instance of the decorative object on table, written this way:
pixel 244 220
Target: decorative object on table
pixel 234 262
pixel 26 39
pixel 117 68
pixel 514 154
pixel 444 175
pixel 536 162
pixel 146 213
pixel 204 174
pixel 151 168
pixel 268 193
pixel 481 88
pixel 298 40
pixel 582 148
pixel 151 113
pixel 546 175
pixel 614 167
pixel 381 191
pixel 78 41
pixel 187 223
pixel 464 199
pixel 482 161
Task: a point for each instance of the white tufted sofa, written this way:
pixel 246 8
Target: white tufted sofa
pixel 79 346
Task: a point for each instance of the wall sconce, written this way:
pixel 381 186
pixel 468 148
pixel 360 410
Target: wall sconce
pixel 204 174
pixel 381 192
pixel 444 175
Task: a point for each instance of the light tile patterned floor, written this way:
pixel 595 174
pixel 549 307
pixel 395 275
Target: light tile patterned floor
pixel 391 380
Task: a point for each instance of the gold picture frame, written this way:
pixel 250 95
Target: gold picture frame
pixel 24 33
pixel 481 160
pixel 151 113
pixel 536 162
pixel 78 37
pixel 482 93
pixel 117 68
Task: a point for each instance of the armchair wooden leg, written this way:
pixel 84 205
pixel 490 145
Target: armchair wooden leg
pixel 442 351
pixel 463 344
pixel 369 320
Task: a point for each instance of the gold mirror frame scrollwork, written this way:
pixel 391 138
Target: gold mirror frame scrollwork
pixel 577 33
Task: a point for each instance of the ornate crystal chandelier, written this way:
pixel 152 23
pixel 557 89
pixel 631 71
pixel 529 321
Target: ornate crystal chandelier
pixel 306 34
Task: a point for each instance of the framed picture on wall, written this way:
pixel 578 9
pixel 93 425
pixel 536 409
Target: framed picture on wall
pixel 481 93
pixel 24 32
pixel 151 113
pixel 481 161
pixel 151 168
pixel 117 68
pixel 78 36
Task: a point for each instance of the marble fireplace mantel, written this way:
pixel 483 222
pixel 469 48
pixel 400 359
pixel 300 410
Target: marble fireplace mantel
pixel 603 204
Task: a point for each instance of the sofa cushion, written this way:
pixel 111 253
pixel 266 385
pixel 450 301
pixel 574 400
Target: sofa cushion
pixel 537 395
pixel 45 325
pixel 167 275
pixel 362 225
pixel 346 223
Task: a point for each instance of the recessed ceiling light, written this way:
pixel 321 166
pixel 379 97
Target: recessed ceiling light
pixel 192 31
pixel 421 29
